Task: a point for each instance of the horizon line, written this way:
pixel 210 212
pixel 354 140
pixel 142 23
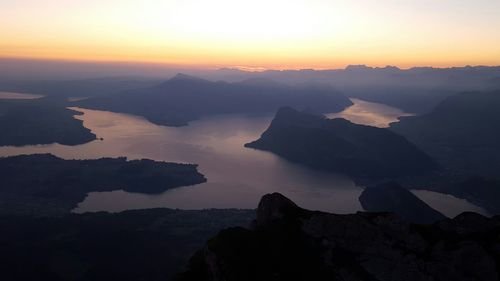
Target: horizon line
pixel 243 68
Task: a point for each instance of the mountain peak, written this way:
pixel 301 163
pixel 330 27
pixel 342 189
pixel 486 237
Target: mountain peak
pixel 186 77
pixel 275 206
pixel 357 67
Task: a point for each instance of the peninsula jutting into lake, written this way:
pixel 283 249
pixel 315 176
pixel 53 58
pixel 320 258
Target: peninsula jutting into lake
pixel 40 121
pixel 44 185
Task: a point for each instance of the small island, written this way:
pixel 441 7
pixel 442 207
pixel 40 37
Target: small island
pixel 45 185
pixel 363 152
pixel 40 121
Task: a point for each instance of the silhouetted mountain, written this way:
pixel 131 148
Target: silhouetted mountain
pixel 40 121
pixel 185 98
pixel 415 90
pixel 338 145
pixel 290 243
pixel 391 197
pixel 43 184
pixel 461 133
pixel 136 245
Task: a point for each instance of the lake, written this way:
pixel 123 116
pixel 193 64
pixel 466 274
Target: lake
pixel 237 176
pixel 370 113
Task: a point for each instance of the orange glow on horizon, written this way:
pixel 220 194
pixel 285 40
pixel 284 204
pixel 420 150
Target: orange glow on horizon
pixel 272 34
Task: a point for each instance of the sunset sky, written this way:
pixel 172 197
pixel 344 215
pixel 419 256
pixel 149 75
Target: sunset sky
pixel 255 33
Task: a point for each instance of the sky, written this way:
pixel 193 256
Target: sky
pixel 255 34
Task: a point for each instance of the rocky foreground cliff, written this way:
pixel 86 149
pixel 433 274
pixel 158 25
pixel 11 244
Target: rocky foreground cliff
pixel 287 242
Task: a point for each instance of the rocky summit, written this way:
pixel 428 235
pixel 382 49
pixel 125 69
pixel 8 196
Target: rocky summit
pixel 287 242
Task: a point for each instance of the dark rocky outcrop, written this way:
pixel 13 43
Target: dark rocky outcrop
pixel 338 145
pixel 391 197
pixel 185 98
pixel 290 243
pixel 44 184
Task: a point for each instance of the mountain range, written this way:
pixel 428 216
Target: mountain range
pixel 186 98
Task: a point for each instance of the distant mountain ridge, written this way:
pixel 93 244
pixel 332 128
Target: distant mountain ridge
pixel 184 98
pixel 414 90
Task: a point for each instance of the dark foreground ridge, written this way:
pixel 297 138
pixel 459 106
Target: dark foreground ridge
pixel 44 184
pixel 391 197
pixel 129 246
pixel 338 145
pixel 291 243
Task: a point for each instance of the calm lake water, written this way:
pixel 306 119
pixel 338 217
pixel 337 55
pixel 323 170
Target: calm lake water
pixel 237 176
pixel 448 205
pixel 370 113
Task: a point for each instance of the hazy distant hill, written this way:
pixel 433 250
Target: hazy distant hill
pixel 415 90
pixel 185 98
pixel 462 132
pixel 341 146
